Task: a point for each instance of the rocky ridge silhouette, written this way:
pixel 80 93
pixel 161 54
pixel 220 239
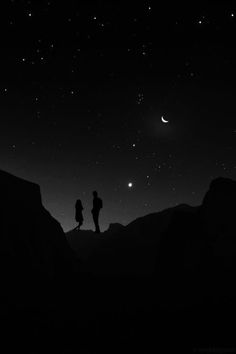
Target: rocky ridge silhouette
pixel 182 247
pixel 173 271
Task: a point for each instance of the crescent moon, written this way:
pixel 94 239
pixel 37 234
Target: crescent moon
pixel 164 120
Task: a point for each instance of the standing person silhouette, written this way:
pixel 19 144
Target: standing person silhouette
pixel 97 206
pixel 78 213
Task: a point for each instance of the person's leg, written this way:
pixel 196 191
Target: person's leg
pixel 81 220
pixel 98 228
pixel 94 220
pixel 96 223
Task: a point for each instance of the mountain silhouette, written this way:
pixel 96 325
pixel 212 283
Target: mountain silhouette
pixel 34 252
pixel 130 249
pixel 189 253
pixel 195 233
pixel 165 280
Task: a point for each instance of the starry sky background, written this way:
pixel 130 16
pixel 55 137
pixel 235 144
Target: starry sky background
pixel 84 85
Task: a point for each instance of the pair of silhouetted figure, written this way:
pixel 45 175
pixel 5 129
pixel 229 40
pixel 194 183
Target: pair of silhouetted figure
pixel 97 206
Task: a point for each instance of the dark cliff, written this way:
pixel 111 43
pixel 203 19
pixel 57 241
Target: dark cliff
pixel 34 252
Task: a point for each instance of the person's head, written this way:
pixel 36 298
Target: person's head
pixel 78 201
pixel 95 194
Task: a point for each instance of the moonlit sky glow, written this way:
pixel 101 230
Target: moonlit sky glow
pixel 84 85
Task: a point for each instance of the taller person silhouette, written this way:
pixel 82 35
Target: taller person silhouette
pixel 97 206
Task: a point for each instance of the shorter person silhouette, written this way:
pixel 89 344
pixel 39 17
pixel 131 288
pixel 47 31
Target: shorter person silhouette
pixel 97 206
pixel 78 213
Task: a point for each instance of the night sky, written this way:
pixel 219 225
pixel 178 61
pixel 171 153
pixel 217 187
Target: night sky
pixel 85 85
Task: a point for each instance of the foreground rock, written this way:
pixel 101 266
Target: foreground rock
pixel 34 252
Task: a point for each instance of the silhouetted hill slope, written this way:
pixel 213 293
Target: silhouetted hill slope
pixel 190 251
pixel 130 249
pixel 86 243
pixel 34 251
pixel 83 242
pixel 197 256
pixel 165 277
pixel 218 207
pixel 115 228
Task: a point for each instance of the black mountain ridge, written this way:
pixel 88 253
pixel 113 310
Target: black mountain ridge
pixel 173 271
